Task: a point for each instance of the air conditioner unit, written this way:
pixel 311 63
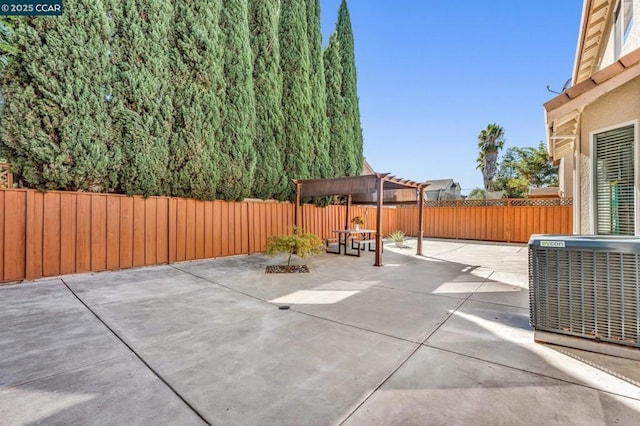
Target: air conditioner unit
pixel 585 292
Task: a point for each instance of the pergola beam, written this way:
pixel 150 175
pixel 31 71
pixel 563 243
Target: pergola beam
pixel 377 183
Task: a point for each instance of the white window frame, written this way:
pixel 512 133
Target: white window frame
pixel 620 33
pixel 592 175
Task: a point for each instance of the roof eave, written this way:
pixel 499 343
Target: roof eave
pixel 620 72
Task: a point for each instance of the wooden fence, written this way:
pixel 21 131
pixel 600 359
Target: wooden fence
pixel 505 220
pixel 56 233
pixel 6 177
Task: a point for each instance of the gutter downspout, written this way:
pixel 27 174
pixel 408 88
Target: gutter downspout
pixel 577 179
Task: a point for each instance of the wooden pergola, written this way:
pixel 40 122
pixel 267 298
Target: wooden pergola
pixel 376 188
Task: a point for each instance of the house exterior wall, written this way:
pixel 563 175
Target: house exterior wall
pixel 631 44
pixel 615 109
pixel 566 173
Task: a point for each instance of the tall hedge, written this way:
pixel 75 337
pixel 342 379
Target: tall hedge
pixel 143 93
pixel 321 166
pixel 349 90
pixel 198 76
pixel 211 99
pixel 336 112
pixel 269 179
pixel 55 127
pixel 296 94
pixel 237 159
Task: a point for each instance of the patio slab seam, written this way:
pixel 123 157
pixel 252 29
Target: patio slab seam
pixel 524 370
pixel 462 300
pixel 394 371
pixel 224 286
pixel 358 404
pixel 139 357
pixel 354 326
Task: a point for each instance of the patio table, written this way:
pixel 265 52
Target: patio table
pixel 345 234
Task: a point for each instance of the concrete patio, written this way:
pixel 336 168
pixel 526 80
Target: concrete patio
pixel 440 339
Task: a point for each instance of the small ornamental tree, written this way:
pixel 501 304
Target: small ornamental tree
pixel 298 243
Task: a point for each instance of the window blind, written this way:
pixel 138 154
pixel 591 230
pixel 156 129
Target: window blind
pixel 614 182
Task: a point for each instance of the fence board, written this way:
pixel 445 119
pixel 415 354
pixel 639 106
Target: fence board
pixel 150 231
pixel 126 232
pixel 216 228
pixel 275 215
pixel 225 231
pixel 2 240
pixel 264 232
pixel 236 235
pixel 51 259
pixel 162 230
pixel 181 230
pixel 68 230
pixel 83 233
pixel 244 220
pixel 98 233
pixel 15 204
pixel 35 218
pixel 208 229
pixel 113 232
pixel 172 219
pixel 138 231
pixel 190 239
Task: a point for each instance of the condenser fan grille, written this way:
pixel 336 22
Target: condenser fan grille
pixel 586 293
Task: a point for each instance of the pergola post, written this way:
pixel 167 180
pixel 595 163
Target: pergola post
pixel 297 218
pixel 380 192
pixel 346 217
pixel 420 213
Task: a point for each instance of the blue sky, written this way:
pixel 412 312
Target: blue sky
pixel 433 74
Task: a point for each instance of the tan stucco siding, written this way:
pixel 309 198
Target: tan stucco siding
pixel 631 44
pixel 616 108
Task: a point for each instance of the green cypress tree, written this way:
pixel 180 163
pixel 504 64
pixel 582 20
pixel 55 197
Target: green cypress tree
pixel 336 113
pixel 349 89
pixel 237 156
pixel 269 180
pixel 198 91
pixel 142 92
pixel 296 93
pixel 321 166
pixel 55 127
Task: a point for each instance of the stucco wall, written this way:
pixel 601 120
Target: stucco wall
pixel 631 44
pixel 565 172
pixel 610 111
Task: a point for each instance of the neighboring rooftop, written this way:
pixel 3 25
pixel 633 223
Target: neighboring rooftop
pixel 438 184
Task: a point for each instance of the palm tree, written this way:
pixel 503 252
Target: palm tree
pixel 490 141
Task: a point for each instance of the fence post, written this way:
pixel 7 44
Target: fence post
pixel 456 218
pixel 172 215
pixel 30 238
pixel 507 223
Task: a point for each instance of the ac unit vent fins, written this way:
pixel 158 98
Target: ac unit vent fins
pixel 591 292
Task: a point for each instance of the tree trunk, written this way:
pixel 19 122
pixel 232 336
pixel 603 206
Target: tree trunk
pixel 490 163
